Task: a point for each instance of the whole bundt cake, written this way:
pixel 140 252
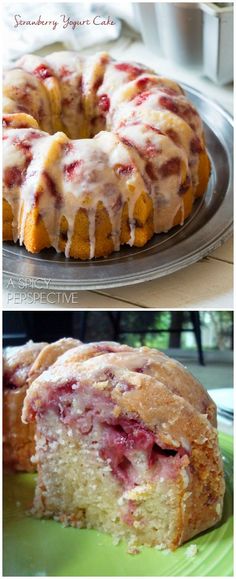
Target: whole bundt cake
pixel 125 443
pixel 97 153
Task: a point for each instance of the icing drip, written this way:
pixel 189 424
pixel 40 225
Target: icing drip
pixel 92 229
pixel 151 144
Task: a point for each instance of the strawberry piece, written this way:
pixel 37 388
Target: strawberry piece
pixel 64 71
pixel 171 167
pixel 169 103
pixel 150 170
pixel 52 188
pixel 185 186
pixel 143 96
pixel 42 72
pixel 104 103
pixel 13 176
pixel 70 170
pixel 132 70
pixel 195 145
pixel 124 170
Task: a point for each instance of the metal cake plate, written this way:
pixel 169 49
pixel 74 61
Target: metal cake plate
pixel 210 223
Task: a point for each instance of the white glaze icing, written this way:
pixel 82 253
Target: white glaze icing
pixel 17 361
pixel 95 177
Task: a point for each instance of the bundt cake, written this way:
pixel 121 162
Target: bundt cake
pixel 97 153
pixel 21 365
pixel 125 443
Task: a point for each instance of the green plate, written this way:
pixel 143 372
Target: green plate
pixel 44 548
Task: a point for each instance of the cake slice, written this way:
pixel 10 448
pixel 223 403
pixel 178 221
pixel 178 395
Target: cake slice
pixel 21 365
pixel 18 438
pixel 119 451
pixel 24 93
pixel 38 67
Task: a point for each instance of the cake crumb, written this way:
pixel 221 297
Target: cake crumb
pixel 116 411
pixel 218 508
pixel 102 385
pixel 160 547
pixel 116 540
pixel 191 551
pixel 133 551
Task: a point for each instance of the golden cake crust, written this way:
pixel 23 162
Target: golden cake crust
pixel 49 355
pixel 155 363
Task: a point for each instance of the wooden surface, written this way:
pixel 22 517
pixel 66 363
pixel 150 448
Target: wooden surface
pixel 206 284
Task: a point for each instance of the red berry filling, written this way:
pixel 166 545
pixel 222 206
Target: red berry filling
pixel 196 146
pixel 143 96
pixel 119 440
pixel 176 106
pixel 42 72
pixel 124 170
pixel 133 71
pixel 168 91
pixel 104 59
pixel 126 141
pixel 13 177
pixel 150 170
pixel 142 83
pixel 123 438
pixel 66 102
pixel 67 147
pixel 169 104
pixel 24 144
pixel 171 167
pixel 70 170
pixel 64 72
pixel 157 131
pixel 52 188
pixel 104 103
pixel 185 186
pixel 149 149
pixel 173 135
pixel 15 125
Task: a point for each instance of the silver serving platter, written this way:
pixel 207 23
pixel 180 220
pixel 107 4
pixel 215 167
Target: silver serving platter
pixel 208 226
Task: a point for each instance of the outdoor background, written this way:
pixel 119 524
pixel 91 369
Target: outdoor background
pixel 176 333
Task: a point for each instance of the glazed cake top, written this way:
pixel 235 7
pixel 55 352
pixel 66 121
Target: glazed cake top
pixel 17 362
pixel 49 354
pixel 100 365
pixel 147 138
pixel 147 361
